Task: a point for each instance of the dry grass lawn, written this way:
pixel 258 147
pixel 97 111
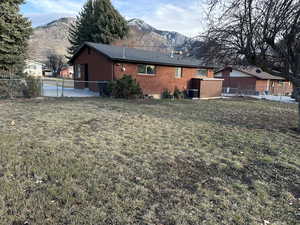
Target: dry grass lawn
pixel 102 161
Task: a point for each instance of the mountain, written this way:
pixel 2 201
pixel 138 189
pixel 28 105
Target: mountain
pixel 53 38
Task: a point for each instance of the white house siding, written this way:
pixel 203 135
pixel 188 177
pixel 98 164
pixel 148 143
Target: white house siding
pixel 33 68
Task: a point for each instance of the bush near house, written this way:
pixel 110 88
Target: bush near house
pixel 166 94
pixel 177 94
pixel 126 87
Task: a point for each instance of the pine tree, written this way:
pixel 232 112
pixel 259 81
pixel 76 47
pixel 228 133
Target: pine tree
pixel 98 22
pixel 15 31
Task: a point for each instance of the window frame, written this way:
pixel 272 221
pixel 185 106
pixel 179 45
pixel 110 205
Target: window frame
pixel 146 70
pixel 281 83
pixel 202 75
pixel 78 71
pixel 176 72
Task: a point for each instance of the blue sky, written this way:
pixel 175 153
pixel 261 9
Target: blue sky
pixel 184 16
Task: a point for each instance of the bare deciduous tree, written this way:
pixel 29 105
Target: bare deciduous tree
pixel 265 33
pixel 55 63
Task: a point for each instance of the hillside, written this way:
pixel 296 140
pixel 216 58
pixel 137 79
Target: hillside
pixel 53 37
pixel 144 36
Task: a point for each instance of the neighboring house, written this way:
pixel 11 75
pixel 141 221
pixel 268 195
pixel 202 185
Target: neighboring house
pixel 47 72
pixel 253 79
pixel 154 71
pixel 33 68
pixel 67 72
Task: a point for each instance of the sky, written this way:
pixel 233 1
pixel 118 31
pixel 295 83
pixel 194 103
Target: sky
pixel 184 16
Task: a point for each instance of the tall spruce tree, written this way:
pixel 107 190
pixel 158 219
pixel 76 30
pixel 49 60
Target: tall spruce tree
pixel 98 22
pixel 15 31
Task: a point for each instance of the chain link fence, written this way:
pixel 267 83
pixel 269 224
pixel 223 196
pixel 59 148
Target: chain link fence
pixel 49 87
pixel 279 91
pixel 282 94
pixel 14 88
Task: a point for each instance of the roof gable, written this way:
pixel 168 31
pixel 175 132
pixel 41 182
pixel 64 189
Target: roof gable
pixel 254 72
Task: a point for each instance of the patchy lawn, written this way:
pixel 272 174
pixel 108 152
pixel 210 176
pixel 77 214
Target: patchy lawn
pixel 93 161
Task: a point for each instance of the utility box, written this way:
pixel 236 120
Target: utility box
pixel 103 88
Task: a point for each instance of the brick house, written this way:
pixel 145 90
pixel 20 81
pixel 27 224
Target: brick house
pixel 154 71
pixel 66 72
pixel 254 79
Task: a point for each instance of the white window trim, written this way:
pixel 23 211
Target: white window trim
pixel 146 74
pixel 201 75
pixel 181 73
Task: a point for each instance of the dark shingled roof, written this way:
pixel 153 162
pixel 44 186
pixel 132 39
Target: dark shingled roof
pixel 124 54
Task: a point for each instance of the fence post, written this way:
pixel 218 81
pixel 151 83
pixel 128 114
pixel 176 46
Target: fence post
pixel 57 88
pixel 62 88
pixel 10 88
pixel 42 87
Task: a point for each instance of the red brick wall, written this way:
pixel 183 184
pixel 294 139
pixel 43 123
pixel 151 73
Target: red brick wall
pixel 261 85
pixel 163 79
pixel 99 67
pixel 66 73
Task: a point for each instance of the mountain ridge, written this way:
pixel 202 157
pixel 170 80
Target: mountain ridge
pixel 53 38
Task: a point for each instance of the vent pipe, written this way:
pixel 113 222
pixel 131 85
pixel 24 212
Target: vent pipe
pixel 124 53
pixel 172 54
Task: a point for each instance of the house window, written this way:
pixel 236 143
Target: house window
pixel 78 71
pixel 281 83
pixel 146 69
pixel 202 72
pixel 178 73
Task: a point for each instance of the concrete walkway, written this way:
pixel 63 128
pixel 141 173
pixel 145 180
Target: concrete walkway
pixel 57 91
pixel 285 99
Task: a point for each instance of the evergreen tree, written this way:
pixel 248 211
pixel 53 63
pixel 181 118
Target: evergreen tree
pixel 15 30
pixel 98 22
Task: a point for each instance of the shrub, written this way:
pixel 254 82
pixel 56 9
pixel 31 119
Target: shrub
pixel 166 94
pixel 10 88
pixel 4 88
pixel 32 87
pixel 126 87
pixel 178 94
